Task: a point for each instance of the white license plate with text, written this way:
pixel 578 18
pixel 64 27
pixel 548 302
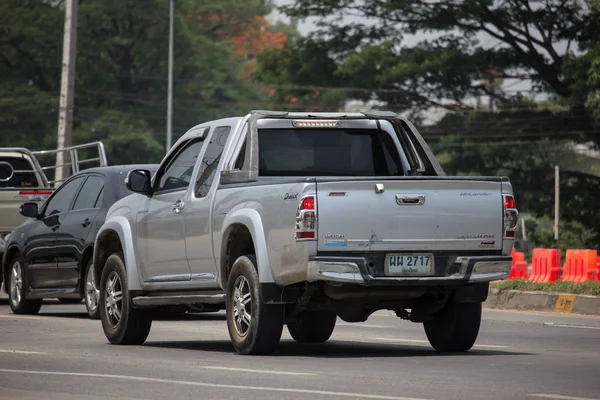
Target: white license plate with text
pixel 409 264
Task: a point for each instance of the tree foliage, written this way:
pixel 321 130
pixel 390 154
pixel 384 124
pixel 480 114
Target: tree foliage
pixel 540 233
pixel 524 146
pixel 121 70
pixel 470 41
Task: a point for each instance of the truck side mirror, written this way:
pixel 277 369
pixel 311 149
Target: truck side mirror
pixel 29 210
pixel 138 181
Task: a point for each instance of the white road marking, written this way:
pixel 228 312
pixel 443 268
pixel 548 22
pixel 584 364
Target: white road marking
pixel 212 385
pixel 558 396
pixel 13 316
pixel 571 326
pixel 21 352
pixel 260 371
pixel 491 346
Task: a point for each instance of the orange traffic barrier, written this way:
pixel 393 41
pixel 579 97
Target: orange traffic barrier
pixel 519 266
pixel 545 265
pixel 581 266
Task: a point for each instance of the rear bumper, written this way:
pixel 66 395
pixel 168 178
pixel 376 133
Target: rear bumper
pixel 354 270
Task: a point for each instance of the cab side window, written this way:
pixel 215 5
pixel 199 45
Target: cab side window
pixel 178 172
pixel 210 160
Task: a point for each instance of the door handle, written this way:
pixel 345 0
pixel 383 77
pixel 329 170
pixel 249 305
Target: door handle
pixel 86 223
pixel 178 206
pixel 410 199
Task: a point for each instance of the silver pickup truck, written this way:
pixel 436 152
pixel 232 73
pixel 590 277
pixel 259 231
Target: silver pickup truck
pixel 296 219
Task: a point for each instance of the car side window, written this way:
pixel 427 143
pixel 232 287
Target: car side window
pixel 178 172
pixel 210 160
pixel 99 203
pixel 88 195
pixel 62 199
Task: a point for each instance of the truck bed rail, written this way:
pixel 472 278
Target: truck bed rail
pixel 74 155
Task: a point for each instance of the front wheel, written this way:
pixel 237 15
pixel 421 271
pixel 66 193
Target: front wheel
pixel 122 323
pixel 17 290
pixel 254 326
pixel 312 326
pixel 455 328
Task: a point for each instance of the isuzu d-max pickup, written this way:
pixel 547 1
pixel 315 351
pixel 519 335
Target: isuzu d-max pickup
pixel 289 218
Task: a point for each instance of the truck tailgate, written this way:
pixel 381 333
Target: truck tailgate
pixel 9 210
pixel 409 215
pixel 11 199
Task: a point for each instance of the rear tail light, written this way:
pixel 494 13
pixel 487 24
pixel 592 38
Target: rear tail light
pixel 511 217
pixel 35 192
pixel 33 195
pixel 306 219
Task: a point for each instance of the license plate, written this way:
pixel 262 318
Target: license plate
pixel 409 264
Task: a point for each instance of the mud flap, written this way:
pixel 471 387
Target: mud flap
pixel 476 293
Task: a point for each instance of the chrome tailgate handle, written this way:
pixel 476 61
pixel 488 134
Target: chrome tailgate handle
pixel 410 199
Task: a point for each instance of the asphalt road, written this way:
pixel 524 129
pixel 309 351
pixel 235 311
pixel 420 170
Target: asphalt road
pixel 60 354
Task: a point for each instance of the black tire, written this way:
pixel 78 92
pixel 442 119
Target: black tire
pixel 70 301
pixel 312 326
pixel 91 293
pixel 455 328
pixel 263 332
pixel 16 289
pixel 133 325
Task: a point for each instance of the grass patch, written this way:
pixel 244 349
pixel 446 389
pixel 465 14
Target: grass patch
pixel 558 287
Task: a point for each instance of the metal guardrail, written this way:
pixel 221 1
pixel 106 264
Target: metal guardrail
pixel 74 156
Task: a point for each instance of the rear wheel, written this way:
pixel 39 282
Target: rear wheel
pixel 17 290
pixel 312 326
pixel 91 291
pixel 122 323
pixel 455 328
pixel 254 326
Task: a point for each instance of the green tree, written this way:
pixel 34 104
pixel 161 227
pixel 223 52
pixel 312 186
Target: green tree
pixel 299 75
pixel 540 233
pixel 121 69
pixel 123 63
pixel 469 41
pixel 30 62
pixel 126 139
pixel 516 145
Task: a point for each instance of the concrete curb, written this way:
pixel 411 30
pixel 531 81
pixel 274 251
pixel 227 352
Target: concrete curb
pixel 543 301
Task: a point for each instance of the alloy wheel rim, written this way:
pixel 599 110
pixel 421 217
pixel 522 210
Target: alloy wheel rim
pixel 16 284
pixel 114 299
pixel 92 293
pixel 242 306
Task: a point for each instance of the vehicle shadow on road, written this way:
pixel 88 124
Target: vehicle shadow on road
pixel 70 314
pixel 161 317
pixel 209 316
pixel 334 349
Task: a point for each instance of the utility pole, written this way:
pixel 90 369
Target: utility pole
pixel 65 116
pixel 170 88
pixel 556 202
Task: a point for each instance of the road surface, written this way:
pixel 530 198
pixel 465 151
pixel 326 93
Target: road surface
pixel 60 354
